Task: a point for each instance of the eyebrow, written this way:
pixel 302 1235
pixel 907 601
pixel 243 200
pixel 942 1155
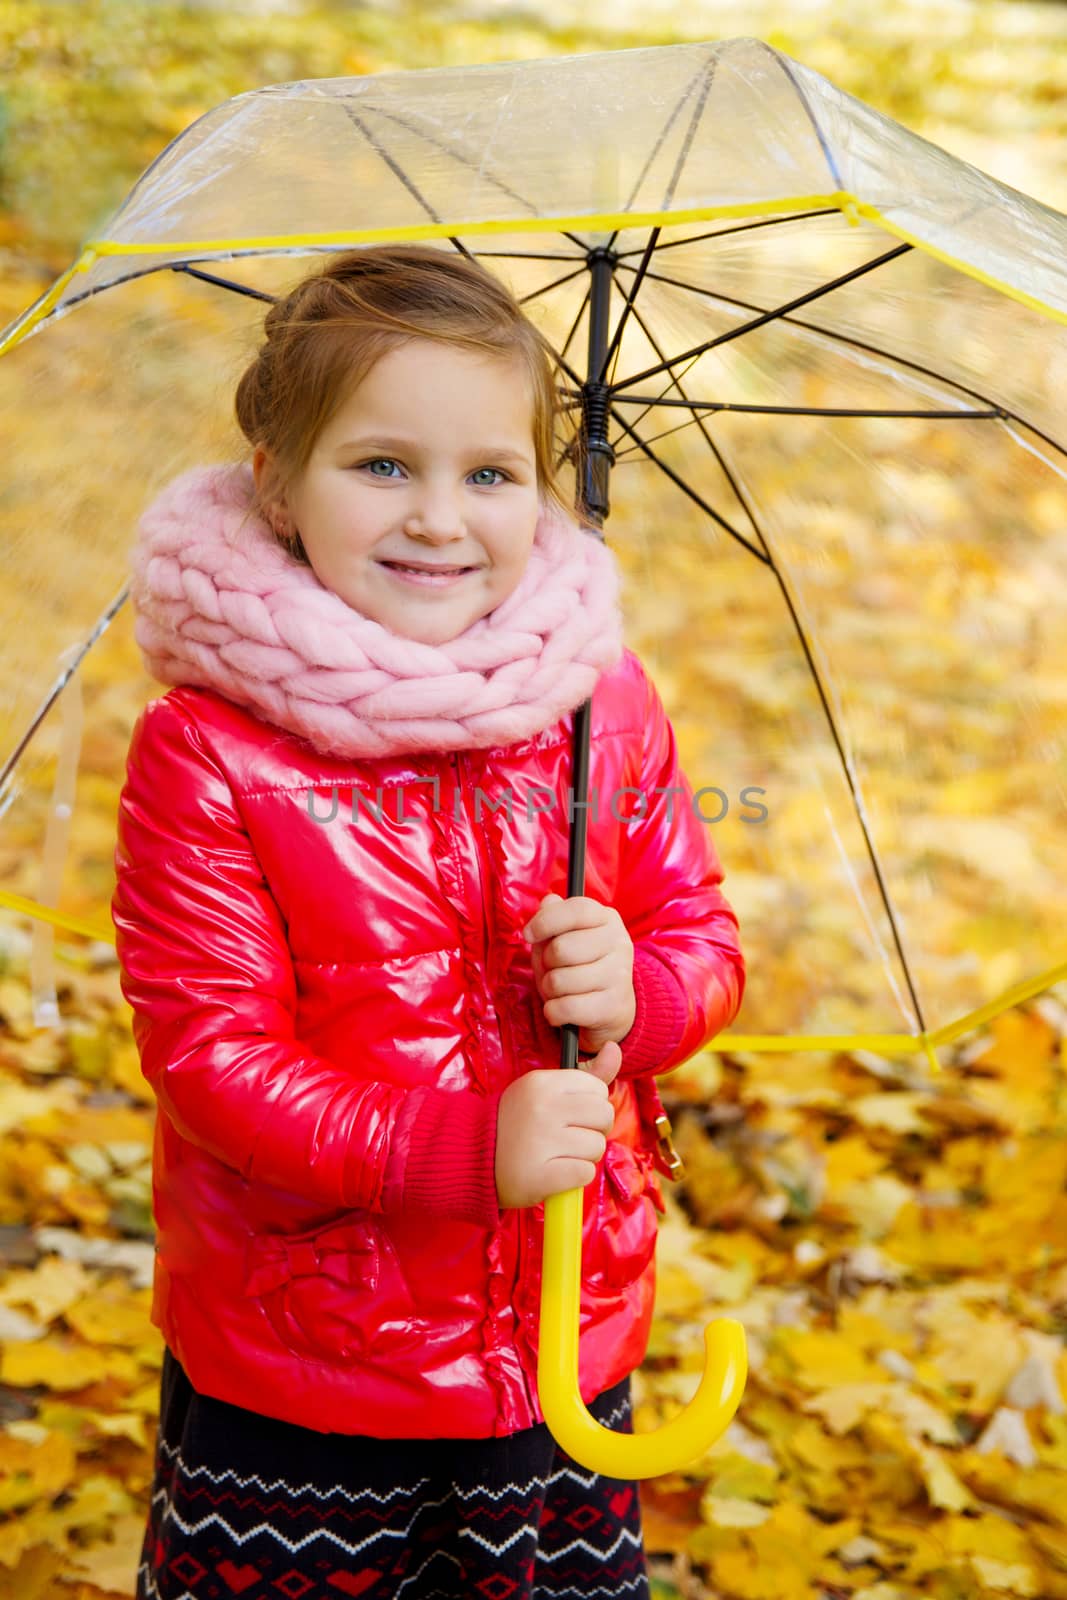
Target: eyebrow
pixel 387 442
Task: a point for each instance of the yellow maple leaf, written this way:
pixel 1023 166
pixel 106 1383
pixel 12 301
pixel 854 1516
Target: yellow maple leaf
pixel 897 1112
pixel 1055 1453
pixel 976 1353
pixel 50 1287
pixel 735 1477
pixel 986 1535
pixel 728 1513
pixel 34 1471
pixel 942 1485
pixel 114 1315
pixel 843 1406
pixel 823 1360
pixel 19 1102
pixel 113 1566
pixel 1014 1578
pixel 850 1160
pixel 60 1364
pixel 919 1417
pixel 873 1204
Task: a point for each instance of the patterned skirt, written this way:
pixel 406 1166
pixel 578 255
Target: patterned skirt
pixel 245 1507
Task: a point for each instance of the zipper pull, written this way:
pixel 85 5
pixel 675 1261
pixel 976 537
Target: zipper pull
pixel 666 1147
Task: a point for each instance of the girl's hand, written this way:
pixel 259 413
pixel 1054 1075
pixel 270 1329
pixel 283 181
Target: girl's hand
pixel 552 1129
pixel 583 963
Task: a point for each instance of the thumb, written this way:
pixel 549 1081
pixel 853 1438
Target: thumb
pixel 606 1063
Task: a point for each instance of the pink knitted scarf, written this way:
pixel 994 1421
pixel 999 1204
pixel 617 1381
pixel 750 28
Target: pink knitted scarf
pixel 224 607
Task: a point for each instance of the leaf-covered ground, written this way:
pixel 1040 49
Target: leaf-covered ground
pixel 894 1243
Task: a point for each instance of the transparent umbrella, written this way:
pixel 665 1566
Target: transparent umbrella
pixel 815 362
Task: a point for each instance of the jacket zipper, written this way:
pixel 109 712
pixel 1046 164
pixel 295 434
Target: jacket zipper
pixel 457 766
pixel 524 1247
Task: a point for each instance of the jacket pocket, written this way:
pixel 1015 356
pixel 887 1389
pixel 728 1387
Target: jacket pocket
pixel 334 1293
pixel 620 1239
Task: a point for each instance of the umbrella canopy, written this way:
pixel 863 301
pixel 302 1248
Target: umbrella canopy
pixel 823 355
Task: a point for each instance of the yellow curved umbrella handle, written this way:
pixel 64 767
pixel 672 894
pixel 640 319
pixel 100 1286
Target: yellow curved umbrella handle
pixel 621 1455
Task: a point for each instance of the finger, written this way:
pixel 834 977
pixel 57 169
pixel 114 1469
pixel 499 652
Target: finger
pixel 593 978
pixel 535 928
pixel 557 915
pixel 604 1069
pixel 587 1010
pixel 565 1173
pixel 595 1116
pixel 577 946
pixel 587 1089
pixel 588 1143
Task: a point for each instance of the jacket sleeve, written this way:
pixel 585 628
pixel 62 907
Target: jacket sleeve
pixel 689 970
pixel 206 968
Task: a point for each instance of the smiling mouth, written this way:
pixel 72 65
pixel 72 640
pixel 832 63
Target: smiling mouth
pixel 402 566
pixel 441 578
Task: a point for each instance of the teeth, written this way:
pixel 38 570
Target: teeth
pixel 401 568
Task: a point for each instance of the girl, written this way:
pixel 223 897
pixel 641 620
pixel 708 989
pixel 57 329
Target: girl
pixel 342 847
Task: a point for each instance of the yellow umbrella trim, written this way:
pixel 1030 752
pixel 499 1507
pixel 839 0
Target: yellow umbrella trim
pixel 883 1043
pixel 849 204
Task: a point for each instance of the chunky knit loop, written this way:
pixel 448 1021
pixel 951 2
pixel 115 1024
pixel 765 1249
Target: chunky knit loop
pixel 222 606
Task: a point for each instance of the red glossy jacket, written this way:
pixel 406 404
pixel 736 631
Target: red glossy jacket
pixel 330 992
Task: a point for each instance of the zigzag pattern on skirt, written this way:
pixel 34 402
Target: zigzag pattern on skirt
pixel 248 1508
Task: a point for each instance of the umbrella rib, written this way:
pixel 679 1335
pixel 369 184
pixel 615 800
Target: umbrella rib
pixel 824 145
pixel 261 294
pixel 798 411
pixel 556 283
pixel 872 852
pixel 463 160
pixel 672 182
pixel 573 330
pixel 778 311
pixel 871 349
pixel 393 165
pixel 62 681
pixel 456 155
pixel 722 233
pixel 706 72
pixel 224 283
pixel 527 255
pixel 616 338
pixel 181 266
pixel 712 446
pixel 675 477
pixel 857 805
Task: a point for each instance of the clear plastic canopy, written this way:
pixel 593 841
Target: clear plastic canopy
pixel 839 497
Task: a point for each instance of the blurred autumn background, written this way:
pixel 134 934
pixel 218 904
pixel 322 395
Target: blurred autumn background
pixel 895 1245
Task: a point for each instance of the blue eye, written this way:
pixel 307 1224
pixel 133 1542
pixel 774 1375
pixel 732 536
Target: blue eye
pixel 389 462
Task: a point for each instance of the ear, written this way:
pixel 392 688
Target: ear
pixel 276 509
pixel 260 462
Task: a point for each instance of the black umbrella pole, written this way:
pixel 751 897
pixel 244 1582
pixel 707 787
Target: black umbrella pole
pixel 597 458
pixel 576 853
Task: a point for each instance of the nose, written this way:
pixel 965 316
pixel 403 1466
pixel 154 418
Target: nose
pixel 436 515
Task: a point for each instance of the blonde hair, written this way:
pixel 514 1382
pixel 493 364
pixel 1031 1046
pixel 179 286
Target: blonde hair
pixel 326 334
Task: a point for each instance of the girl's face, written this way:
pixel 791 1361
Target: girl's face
pixel 430 460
